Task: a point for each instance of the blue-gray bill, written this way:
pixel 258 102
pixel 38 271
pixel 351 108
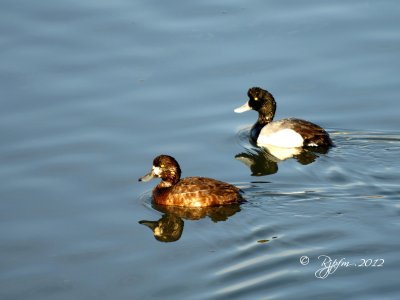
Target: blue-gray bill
pixel 243 108
pixel 147 177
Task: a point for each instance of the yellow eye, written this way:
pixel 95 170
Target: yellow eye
pixel 162 166
pixel 255 98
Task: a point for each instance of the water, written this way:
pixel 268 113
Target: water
pixel 91 92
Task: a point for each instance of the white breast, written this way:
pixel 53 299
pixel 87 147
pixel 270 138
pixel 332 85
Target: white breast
pixel 285 138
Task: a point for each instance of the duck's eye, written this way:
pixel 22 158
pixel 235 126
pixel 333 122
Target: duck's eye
pixel 256 98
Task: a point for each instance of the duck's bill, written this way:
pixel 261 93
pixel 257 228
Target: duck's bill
pixel 147 177
pixel 150 224
pixel 243 108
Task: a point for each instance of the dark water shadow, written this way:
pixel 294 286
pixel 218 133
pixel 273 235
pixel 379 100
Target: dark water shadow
pixel 169 227
pixel 264 160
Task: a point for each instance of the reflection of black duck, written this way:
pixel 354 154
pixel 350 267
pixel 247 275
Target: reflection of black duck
pixel 264 161
pixel 260 162
pixel 309 155
pixel 170 227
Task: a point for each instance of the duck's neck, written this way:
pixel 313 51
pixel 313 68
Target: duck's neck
pixel 164 184
pixel 266 113
pixel 255 131
pixel 170 178
pixel 264 117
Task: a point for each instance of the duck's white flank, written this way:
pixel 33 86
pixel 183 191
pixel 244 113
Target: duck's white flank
pixel 285 138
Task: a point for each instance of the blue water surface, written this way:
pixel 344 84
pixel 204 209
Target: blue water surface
pixel 92 91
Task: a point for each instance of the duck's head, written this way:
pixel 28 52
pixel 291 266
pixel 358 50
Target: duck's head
pixel 261 101
pixel 165 167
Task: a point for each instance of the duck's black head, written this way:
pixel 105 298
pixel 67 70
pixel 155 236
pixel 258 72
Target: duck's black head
pixel 165 167
pixel 261 101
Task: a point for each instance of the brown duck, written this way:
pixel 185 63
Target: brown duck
pixel 189 191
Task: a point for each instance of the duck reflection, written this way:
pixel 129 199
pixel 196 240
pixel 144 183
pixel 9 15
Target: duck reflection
pixel 264 161
pixel 167 229
pixel 170 227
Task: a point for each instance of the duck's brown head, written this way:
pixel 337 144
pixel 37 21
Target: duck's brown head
pixel 165 167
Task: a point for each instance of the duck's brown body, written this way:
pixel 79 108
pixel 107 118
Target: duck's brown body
pixel 196 192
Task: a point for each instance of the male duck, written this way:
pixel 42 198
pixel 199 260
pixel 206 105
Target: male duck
pixel 285 133
pixel 189 191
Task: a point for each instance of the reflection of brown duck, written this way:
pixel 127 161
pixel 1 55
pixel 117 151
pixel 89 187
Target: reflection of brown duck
pixel 189 191
pixel 167 229
pixel 215 213
pixel 170 227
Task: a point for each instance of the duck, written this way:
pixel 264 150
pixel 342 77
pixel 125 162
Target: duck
pixel 189 191
pixel 285 133
pixel 167 229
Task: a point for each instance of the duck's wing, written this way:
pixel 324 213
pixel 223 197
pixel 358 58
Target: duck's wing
pixel 202 191
pixel 313 135
pixel 204 185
